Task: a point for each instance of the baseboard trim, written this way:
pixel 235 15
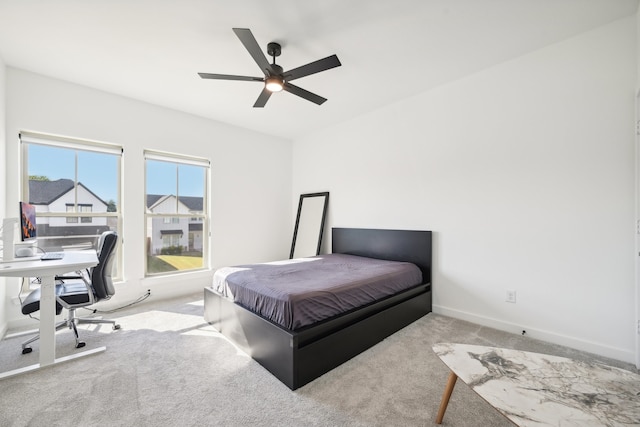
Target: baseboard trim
pixel 542 335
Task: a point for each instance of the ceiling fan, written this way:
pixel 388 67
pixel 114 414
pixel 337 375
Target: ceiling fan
pixel 275 79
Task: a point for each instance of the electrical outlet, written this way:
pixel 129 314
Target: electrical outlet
pixel 511 296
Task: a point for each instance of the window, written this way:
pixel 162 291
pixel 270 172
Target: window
pixel 176 213
pixel 81 208
pixel 75 186
pixel 85 208
pixel 71 219
pixel 170 240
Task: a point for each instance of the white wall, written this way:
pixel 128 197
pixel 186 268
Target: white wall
pixel 525 173
pixel 250 185
pixel 3 181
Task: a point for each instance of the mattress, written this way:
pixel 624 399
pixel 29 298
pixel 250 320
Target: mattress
pixel 299 292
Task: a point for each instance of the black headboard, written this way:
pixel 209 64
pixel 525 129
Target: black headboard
pixel 394 245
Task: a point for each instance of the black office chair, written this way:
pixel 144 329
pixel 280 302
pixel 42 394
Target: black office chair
pixel 76 294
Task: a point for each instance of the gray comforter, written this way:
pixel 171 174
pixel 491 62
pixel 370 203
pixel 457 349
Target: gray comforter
pixel 299 292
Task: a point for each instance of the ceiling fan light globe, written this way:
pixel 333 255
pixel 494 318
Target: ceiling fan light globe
pixel 273 84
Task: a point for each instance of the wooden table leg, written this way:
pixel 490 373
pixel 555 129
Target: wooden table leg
pixel 451 382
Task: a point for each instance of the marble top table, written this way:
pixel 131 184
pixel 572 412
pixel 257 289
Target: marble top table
pixel 533 389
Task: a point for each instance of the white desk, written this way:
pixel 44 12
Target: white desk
pixel 47 270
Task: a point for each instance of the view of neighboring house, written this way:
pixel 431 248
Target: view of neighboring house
pixel 186 233
pixel 59 196
pixel 183 232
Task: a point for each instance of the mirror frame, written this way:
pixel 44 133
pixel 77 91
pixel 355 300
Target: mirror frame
pixel 324 194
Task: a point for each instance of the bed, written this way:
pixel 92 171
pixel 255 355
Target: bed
pixel 300 351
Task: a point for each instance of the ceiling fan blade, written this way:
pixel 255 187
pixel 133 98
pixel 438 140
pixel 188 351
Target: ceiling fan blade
pixel 313 67
pixel 263 98
pixel 304 93
pixel 230 77
pixel 250 43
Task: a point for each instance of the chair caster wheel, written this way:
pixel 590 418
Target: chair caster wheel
pixel 81 344
pixel 116 327
pixel 27 350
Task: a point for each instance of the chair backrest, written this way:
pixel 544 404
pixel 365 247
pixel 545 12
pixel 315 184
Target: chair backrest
pixel 101 274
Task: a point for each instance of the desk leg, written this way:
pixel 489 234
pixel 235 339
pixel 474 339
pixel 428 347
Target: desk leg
pixel 451 382
pixel 47 321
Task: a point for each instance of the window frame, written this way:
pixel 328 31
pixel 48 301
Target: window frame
pixel 63 142
pixel 175 217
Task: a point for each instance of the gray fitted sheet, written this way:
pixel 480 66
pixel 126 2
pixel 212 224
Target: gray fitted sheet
pixel 299 292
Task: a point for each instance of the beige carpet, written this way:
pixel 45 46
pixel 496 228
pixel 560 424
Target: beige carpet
pixel 167 367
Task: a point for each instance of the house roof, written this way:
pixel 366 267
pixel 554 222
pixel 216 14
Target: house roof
pixel 179 231
pixel 46 192
pixel 152 199
pixel 194 204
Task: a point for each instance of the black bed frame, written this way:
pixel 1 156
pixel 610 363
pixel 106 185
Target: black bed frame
pixel 298 357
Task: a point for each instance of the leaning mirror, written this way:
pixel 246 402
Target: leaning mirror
pixel 307 233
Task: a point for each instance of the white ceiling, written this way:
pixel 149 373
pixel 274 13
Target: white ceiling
pixel 152 50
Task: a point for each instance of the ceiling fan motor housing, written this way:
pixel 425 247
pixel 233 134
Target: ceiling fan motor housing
pixel 274 49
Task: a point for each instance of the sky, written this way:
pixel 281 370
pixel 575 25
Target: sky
pixel 98 172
